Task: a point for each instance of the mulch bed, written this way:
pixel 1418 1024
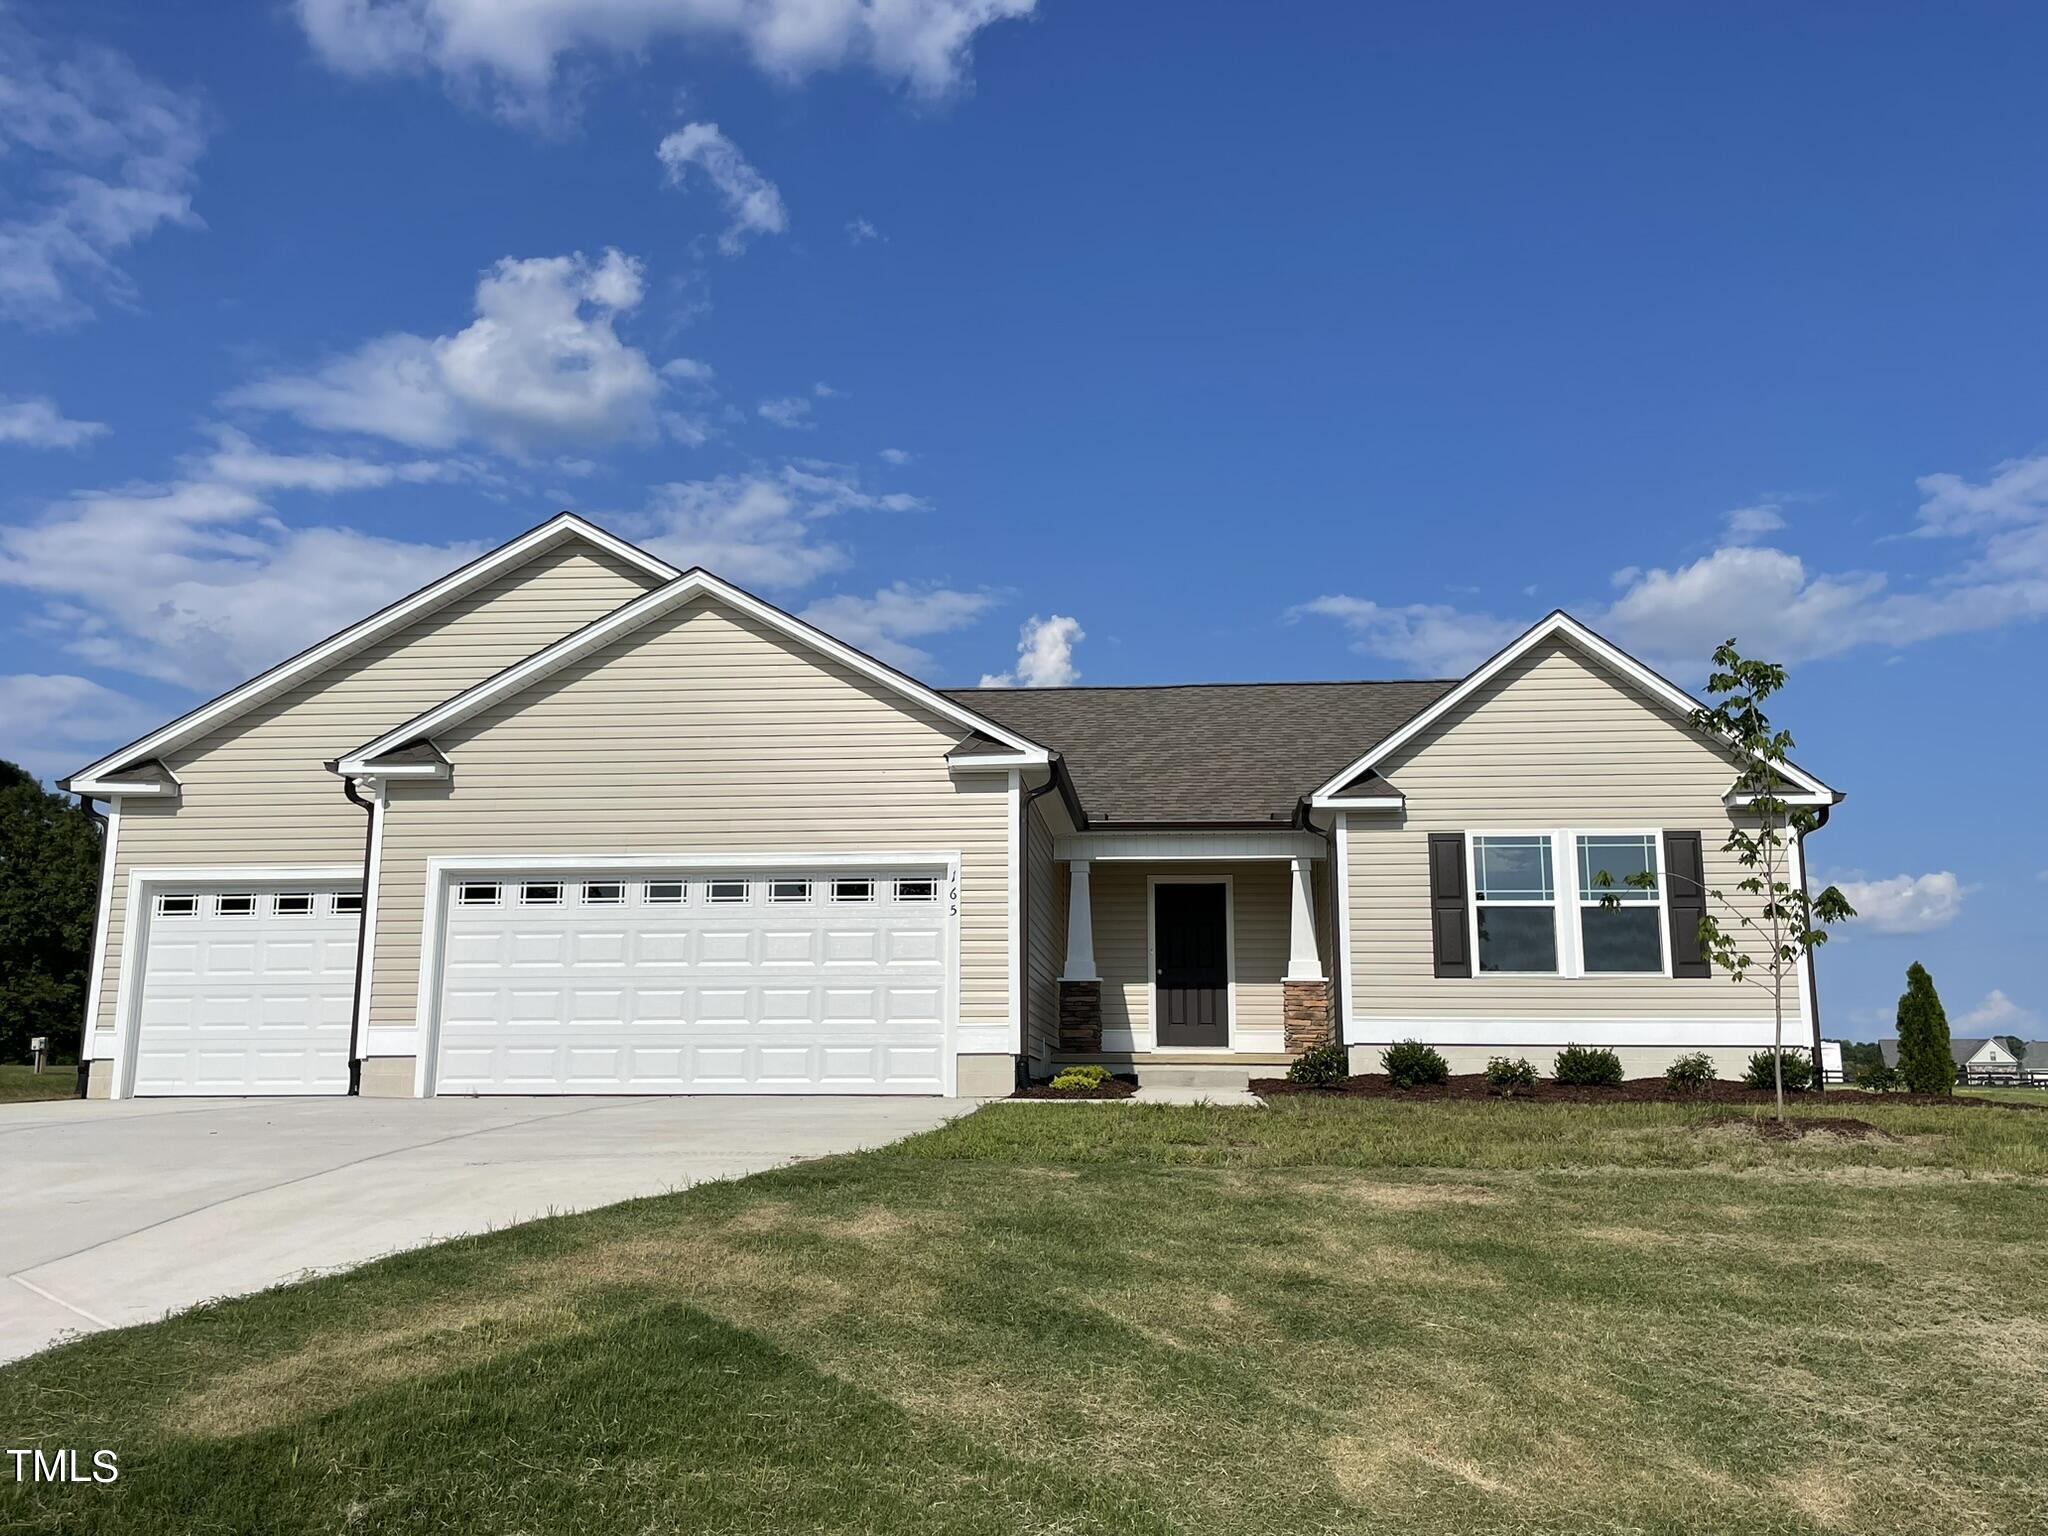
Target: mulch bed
pixel 1637 1090
pixel 1115 1088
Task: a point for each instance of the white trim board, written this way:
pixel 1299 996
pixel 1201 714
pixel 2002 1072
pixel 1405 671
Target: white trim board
pixel 444 870
pixel 1576 1029
pixel 1557 625
pixel 630 616
pixel 110 847
pixel 1112 847
pixel 135 935
pixel 563 526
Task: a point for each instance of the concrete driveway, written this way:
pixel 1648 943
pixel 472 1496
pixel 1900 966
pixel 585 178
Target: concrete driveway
pixel 117 1213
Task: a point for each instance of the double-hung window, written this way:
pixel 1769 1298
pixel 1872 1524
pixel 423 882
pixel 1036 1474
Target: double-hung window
pixel 1621 910
pixel 1514 896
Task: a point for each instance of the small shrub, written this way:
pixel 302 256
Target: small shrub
pixel 1508 1077
pixel 1882 1079
pixel 1081 1079
pixel 1411 1064
pixel 1798 1073
pixel 1321 1066
pixel 1690 1074
pixel 1587 1066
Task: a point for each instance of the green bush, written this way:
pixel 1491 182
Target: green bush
pixel 1321 1066
pixel 1881 1079
pixel 1411 1064
pixel 1798 1071
pixel 1925 1061
pixel 1508 1077
pixel 1081 1079
pixel 1587 1066
pixel 1690 1074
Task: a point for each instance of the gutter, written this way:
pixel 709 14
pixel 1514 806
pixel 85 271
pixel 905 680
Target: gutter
pixel 84 1043
pixel 355 1007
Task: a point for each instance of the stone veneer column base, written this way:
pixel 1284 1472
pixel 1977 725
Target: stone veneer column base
pixel 1305 1013
pixel 1080 1015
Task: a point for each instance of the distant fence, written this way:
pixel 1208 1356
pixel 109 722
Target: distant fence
pixel 2022 1076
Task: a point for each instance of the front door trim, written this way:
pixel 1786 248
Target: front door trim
pixel 1152 885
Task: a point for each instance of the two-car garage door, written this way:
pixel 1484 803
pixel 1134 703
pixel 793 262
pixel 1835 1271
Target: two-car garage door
pixel 792 980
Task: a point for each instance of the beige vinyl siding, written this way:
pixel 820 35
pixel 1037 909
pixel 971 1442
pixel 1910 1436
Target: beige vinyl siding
pixel 1554 741
pixel 1045 882
pixel 702 731
pixel 257 791
pixel 1121 899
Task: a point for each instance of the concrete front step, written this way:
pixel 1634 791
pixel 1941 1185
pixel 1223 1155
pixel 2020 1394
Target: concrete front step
pixel 1165 1069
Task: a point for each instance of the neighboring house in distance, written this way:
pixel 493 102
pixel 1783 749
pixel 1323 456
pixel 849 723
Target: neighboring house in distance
pixel 1981 1055
pixel 572 821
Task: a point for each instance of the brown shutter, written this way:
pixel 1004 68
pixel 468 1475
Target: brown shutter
pixel 1685 899
pixel 1449 919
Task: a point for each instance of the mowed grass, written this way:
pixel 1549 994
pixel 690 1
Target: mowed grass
pixel 1317 1317
pixel 20 1083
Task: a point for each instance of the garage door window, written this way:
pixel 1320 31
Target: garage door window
pixel 179 904
pixel 726 892
pixel 853 890
pixel 664 893
pixel 603 893
pixel 923 888
pixel 347 903
pixel 789 890
pixel 477 893
pixel 293 903
pixel 237 904
pixel 540 893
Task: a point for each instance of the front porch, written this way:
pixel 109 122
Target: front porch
pixel 1198 960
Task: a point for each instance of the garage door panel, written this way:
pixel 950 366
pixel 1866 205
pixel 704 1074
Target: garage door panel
pixel 813 994
pixel 244 994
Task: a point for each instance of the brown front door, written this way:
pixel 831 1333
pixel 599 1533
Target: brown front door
pixel 1191 937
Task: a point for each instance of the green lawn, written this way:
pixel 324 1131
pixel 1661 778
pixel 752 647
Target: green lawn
pixel 1318 1317
pixel 19 1083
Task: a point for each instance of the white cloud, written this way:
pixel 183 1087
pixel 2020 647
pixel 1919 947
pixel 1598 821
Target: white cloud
pixel 752 204
pixel 1747 524
pixel 104 155
pixel 758 529
pixel 1905 903
pixel 687 370
pixel 896 456
pixel 230 589
pixel 515 53
pixel 1429 639
pixel 236 460
pixel 860 232
pixel 540 365
pixel 1045 655
pixel 790 411
pixel 1997 1015
pixel 883 625
pixel 36 422
pixel 54 720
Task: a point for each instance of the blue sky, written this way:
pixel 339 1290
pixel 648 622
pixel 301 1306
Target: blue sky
pixel 1119 343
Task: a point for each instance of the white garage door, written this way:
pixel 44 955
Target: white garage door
pixel 247 990
pixel 797 981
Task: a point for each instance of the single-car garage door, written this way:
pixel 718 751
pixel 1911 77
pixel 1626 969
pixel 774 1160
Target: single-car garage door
pixel 794 981
pixel 247 990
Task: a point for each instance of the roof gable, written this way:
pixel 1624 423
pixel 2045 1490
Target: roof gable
pixel 373 755
pixel 106 776
pixel 1559 626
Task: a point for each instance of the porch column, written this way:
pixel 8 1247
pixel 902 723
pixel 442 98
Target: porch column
pixel 1303 964
pixel 1080 926
pixel 1304 992
pixel 1080 986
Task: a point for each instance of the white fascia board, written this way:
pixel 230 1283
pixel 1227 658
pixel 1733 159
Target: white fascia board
pixel 101 788
pixel 563 525
pixel 1558 625
pixel 994 762
pixel 1357 802
pixel 630 616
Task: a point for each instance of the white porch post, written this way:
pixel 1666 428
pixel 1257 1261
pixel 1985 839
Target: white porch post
pixel 1303 964
pixel 1080 925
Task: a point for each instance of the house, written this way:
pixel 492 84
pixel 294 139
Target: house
pixel 572 821
pixel 1980 1056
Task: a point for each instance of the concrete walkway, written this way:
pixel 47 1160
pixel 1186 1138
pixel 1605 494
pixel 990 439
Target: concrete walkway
pixel 117 1213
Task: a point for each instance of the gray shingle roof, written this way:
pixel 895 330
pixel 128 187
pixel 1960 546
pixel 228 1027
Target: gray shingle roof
pixel 1203 752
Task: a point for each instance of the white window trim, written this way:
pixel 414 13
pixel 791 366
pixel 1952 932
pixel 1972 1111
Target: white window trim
pixel 1565 903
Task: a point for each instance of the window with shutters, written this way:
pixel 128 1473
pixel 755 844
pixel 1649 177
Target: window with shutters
pixel 1625 936
pixel 1514 901
pixel 1575 902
